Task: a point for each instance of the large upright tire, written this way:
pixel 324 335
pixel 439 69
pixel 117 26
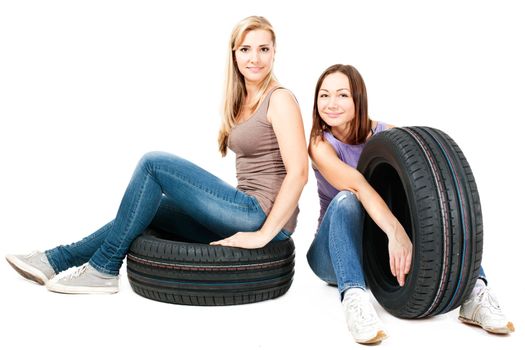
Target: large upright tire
pixel 165 270
pixel 426 181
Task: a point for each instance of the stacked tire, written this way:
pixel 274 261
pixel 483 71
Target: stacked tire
pixel 165 270
pixel 425 179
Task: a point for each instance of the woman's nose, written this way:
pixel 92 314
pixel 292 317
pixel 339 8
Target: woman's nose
pixel 254 57
pixel 332 103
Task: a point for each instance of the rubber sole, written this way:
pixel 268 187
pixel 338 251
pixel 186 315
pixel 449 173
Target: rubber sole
pixel 380 336
pixel 509 327
pixel 26 271
pixel 53 287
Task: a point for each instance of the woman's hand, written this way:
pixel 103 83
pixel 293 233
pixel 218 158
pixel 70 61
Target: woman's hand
pixel 400 251
pixel 248 240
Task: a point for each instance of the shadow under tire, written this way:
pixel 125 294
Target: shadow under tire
pixel 187 273
pixel 426 181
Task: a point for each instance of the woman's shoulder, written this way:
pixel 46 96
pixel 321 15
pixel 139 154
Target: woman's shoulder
pixel 380 126
pixel 321 150
pixel 377 127
pixel 280 94
pixel 282 103
pixel 322 143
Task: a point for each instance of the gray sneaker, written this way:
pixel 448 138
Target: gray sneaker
pixel 85 280
pixel 33 266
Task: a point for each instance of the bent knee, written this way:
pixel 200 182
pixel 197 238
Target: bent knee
pixel 151 159
pixel 346 200
pixel 153 156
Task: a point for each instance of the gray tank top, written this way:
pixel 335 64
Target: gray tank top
pixel 260 168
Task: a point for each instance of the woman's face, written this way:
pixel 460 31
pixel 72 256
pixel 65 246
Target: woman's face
pixel 255 55
pixel 334 101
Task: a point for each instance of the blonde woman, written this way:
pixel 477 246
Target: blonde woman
pixel 261 123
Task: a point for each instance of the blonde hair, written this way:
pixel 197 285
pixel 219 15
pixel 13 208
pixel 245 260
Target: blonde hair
pixel 235 89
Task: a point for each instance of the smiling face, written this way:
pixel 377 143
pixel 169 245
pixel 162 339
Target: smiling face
pixel 335 103
pixel 255 55
pixel 341 106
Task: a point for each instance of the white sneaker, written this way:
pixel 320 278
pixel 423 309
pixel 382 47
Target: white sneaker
pixel 85 280
pixel 482 309
pixel 361 317
pixel 33 266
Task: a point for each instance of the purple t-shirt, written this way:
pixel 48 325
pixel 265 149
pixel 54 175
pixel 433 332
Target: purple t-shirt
pixel 347 153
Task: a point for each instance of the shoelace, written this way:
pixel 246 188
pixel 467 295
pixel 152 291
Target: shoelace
pixel 485 297
pixel 362 309
pixel 43 259
pixel 33 253
pixel 77 273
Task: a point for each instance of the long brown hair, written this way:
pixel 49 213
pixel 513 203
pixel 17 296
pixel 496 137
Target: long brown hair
pixel 235 89
pixel 361 124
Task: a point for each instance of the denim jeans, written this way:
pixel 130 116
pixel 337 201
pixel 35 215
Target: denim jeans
pixel 173 195
pixel 336 254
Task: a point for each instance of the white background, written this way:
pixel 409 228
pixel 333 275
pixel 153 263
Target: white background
pixel 87 87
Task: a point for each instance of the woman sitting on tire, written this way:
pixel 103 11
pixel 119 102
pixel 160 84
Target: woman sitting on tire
pixel 261 124
pixel 340 129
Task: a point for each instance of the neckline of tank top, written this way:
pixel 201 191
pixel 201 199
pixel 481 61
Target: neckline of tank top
pixel 358 145
pixel 259 107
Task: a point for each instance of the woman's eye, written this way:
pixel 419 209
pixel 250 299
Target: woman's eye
pixel 344 95
pixel 243 49
pixel 323 95
pixel 265 49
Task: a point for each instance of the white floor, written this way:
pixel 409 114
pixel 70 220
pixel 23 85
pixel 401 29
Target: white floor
pixel 308 315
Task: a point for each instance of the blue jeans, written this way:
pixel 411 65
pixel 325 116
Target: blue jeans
pixel 171 194
pixel 336 254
